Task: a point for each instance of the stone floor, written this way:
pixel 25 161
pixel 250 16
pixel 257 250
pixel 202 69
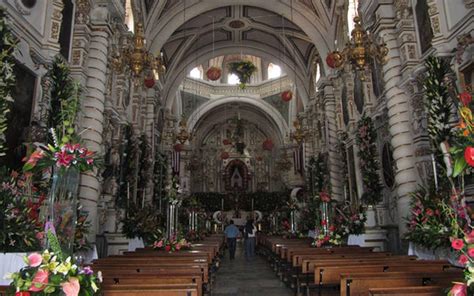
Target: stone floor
pixel 242 278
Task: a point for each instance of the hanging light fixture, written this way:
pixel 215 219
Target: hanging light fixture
pixel 359 51
pixel 137 59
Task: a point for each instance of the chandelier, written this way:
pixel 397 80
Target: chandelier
pixel 137 59
pixel 359 51
pixel 299 135
pixel 182 136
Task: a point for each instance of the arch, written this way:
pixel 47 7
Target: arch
pixel 177 73
pixel 159 28
pixel 273 115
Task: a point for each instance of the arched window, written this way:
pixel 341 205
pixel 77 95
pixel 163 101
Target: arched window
pixel 423 20
pixel 351 13
pixel 274 71
pixel 129 21
pixel 196 73
pixel 233 79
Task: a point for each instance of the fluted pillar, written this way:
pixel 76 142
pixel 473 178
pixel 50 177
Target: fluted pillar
pixel 334 166
pixel 399 113
pixel 93 109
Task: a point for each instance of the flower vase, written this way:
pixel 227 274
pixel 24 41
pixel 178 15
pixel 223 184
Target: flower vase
pixel 325 217
pixel 62 208
pixel 371 219
pixel 172 219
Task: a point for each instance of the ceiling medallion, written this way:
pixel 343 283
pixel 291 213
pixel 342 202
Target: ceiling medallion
pixel 236 24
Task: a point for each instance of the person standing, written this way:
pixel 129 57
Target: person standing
pixel 249 233
pixel 231 232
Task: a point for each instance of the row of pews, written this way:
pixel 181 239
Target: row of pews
pixel 159 273
pixel 354 270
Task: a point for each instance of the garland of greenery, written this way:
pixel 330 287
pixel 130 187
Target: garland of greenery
pixel 318 174
pixel 64 103
pixel 243 70
pixel 7 77
pixel 128 171
pixel 438 105
pixel 145 163
pixel 159 172
pixel 369 164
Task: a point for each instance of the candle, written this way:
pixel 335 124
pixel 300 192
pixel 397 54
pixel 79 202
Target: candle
pixel 435 173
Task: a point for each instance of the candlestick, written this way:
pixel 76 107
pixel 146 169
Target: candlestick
pixel 435 173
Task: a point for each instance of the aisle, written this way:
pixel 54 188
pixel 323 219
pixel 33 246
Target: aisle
pixel 241 278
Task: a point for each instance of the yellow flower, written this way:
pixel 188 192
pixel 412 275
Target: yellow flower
pixel 51 266
pixel 64 267
pixel 466 113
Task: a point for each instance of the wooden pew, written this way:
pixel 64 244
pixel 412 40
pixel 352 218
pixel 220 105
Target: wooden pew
pixel 408 291
pixel 150 290
pixel 3 290
pixel 358 284
pixel 330 274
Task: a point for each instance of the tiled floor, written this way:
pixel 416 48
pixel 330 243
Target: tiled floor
pixel 242 278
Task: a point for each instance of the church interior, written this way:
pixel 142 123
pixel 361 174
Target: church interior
pixel 236 147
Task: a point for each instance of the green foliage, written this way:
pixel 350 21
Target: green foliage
pixel 318 174
pixel 438 101
pixel 145 162
pixel 160 171
pixel 7 77
pixel 64 103
pixel 243 70
pixel 145 223
pixel 369 164
pixel 19 209
pixel 82 230
pixel 128 167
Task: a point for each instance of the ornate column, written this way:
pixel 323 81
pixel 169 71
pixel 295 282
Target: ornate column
pixel 329 103
pixel 80 41
pixel 398 104
pixel 93 107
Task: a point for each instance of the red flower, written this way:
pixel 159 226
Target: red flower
pixel 469 155
pixel 326 238
pixel 168 248
pixel 457 244
pixel 22 293
pixel 324 196
pixel 465 98
pixel 463 260
pixel 429 212
pixel 324 223
pixel 35 156
pixel 332 228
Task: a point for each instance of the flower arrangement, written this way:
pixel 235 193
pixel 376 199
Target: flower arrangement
pixel 172 244
pixel 194 236
pixel 82 230
pixel 428 225
pixel 19 213
pixel 174 191
pixel 49 273
pixel 62 157
pixel 349 220
pixel 243 70
pixel 332 238
pixel 369 165
pixel 143 223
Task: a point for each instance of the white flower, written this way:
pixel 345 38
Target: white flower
pixel 8 276
pixel 99 276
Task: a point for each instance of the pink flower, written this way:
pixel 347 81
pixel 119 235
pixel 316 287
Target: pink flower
pixel 39 281
pixel 34 260
pixel 470 237
pixel 429 212
pixel 159 244
pixel 39 235
pixel 35 156
pixel 457 244
pixel 470 252
pixel 459 289
pixel 463 260
pixel 72 287
pixel 168 248
pixel 178 247
pixel 324 196
pixel 332 228
pixel 64 159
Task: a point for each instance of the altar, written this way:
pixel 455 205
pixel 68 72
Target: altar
pixel 239 220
